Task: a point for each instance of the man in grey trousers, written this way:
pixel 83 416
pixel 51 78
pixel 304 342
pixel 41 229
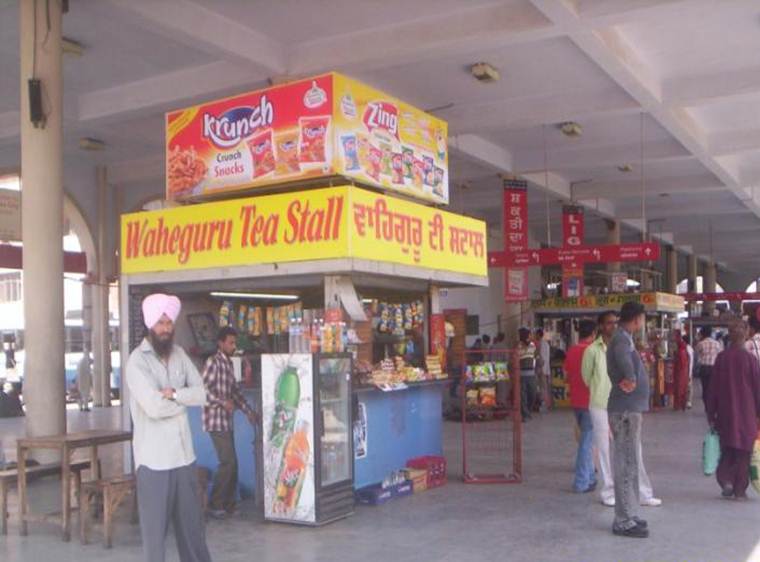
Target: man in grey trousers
pixel 629 398
pixel 162 382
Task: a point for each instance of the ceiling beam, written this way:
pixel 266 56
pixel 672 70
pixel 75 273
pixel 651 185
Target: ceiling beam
pixel 701 89
pixel 614 55
pixel 724 143
pixel 190 23
pixel 476 30
pixel 623 189
pixel 478 149
pixel 599 156
pixel 162 92
pixel 537 110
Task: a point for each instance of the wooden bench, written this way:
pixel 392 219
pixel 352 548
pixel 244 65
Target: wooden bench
pixel 113 491
pixel 9 477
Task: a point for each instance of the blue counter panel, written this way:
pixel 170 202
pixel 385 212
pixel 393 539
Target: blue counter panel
pixel 244 445
pixel 400 425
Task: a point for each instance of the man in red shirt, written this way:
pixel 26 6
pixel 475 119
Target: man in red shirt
pixel 585 477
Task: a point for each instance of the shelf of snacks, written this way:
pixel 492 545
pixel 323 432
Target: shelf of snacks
pixel 488 372
pixel 396 374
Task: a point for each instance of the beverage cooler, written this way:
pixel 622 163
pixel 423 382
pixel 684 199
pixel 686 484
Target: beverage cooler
pixel 308 437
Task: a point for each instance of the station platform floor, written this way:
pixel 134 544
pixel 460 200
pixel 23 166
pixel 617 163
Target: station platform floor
pixel 537 521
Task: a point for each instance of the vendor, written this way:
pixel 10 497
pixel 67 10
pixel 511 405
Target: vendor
pixel 223 398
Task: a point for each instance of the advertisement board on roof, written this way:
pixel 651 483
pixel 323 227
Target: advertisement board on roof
pixel 320 127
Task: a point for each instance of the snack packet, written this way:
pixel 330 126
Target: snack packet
pixel 313 139
pixel 262 153
pixel 350 152
pixel 286 143
pixel 398 168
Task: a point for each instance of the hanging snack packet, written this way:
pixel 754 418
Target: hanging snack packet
pixel 250 325
pixel 398 168
pixel 375 161
pixel 418 173
pixel 270 320
pixel 242 317
pixel 262 153
pixel 438 183
pixel 350 153
pixel 408 161
pixel 224 314
pixel 313 138
pixel 286 143
pixel 429 169
pixel 386 164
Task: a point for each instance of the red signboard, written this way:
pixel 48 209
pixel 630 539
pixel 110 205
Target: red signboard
pixel 572 237
pixel 585 254
pixel 572 226
pixel 515 210
pixel 713 297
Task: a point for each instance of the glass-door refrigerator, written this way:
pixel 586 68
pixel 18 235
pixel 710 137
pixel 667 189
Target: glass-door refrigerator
pixel 308 437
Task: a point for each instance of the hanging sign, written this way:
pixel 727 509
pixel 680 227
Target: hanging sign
pixel 573 223
pixel 515 217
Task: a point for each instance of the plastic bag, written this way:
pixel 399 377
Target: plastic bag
pixel 754 467
pixel 711 452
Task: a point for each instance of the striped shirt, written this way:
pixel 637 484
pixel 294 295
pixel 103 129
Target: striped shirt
pixel 220 383
pixel 707 351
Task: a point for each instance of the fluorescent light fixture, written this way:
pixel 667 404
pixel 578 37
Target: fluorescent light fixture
pixel 12 182
pixel 632 283
pixel 267 296
pixel 72 47
pixel 368 301
pixel 87 143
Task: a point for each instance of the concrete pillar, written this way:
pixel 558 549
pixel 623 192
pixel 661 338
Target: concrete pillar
pixel 693 273
pixel 671 270
pixel 42 220
pixel 101 341
pixel 613 237
pixel 710 280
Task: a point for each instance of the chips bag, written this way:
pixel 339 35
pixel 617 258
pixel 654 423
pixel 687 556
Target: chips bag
pixel 262 153
pixel 286 143
pixel 313 137
pixel 350 152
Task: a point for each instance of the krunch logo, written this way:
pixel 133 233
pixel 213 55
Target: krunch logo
pixel 381 115
pixel 227 130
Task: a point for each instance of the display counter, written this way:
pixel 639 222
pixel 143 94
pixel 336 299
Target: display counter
pixel 400 425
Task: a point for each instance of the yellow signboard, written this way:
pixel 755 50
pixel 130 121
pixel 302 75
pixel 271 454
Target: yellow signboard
pixel 653 302
pixel 324 126
pixel 338 222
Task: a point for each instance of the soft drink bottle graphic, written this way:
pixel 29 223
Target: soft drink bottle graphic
pixel 295 462
pixel 287 397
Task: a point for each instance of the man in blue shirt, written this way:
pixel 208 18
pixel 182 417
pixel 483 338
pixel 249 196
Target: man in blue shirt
pixel 629 398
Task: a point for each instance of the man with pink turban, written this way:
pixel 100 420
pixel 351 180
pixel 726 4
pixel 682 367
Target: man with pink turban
pixel 162 383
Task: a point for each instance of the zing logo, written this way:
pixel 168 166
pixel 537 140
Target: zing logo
pixel 382 115
pixel 235 124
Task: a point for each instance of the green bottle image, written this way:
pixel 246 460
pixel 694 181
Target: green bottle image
pixel 287 396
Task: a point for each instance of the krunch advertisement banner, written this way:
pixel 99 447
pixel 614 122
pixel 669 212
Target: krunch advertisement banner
pixel 324 126
pixel 331 223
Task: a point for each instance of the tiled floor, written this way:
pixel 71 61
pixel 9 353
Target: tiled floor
pixel 538 521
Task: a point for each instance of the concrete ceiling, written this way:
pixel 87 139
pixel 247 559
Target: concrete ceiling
pixel 684 75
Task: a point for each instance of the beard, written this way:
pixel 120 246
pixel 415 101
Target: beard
pixel 162 345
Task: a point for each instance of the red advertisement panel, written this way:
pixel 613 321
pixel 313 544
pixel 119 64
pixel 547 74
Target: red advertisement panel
pixel 515 210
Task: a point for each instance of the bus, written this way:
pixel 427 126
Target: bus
pixel 13 348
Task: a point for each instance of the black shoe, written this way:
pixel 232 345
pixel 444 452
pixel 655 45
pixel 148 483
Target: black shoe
pixel 641 523
pixel 636 532
pixel 727 491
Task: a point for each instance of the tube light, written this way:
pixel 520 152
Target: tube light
pixel 269 296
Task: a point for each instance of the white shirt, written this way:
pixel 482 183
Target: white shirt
pixel 161 438
pixel 690 352
pixel 753 346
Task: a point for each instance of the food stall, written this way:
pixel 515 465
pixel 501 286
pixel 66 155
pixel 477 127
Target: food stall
pixel 560 316
pixel 331 286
